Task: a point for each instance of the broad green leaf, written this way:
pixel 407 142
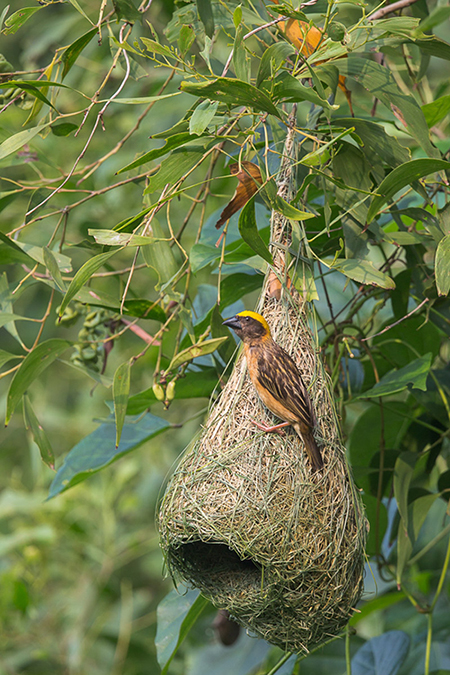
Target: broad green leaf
pixel 113 238
pixel 371 509
pixel 160 256
pixel 383 655
pixel 192 352
pixel 321 155
pixel 17 141
pixel 362 271
pixel 249 231
pixel 187 37
pixel 174 167
pixel 98 450
pixel 272 60
pixel 289 89
pixel 402 176
pixel 206 16
pixel 83 275
pixel 415 373
pixel 16 20
pixel 74 50
pixel 436 110
pixel 380 82
pixel 52 265
pixel 31 89
pixel 157 48
pixel 140 307
pixel 195 384
pixel 39 435
pixel 10 252
pixel 125 9
pixel 434 46
pixel 175 141
pixel 442 266
pixel 37 254
pixel 63 129
pixel 417 512
pixel 378 145
pixel 202 255
pixel 241 61
pixel 233 92
pixel 235 286
pixel 202 116
pixel 176 615
pixel 143 100
pixel 120 391
pixel 31 367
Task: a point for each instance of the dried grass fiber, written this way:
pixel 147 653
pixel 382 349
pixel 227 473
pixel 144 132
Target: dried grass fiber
pixel 245 520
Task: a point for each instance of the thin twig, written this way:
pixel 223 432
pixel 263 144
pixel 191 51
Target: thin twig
pixel 388 9
pixel 416 309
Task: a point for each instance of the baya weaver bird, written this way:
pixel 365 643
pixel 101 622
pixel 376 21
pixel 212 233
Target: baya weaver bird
pixel 277 380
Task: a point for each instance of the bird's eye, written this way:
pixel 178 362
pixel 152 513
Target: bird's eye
pixel 246 318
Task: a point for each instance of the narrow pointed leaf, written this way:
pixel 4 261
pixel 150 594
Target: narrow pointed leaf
pixel 83 275
pixel 233 92
pixel 32 366
pixel 442 266
pixel 52 265
pixel 39 435
pixel 199 349
pixel 121 390
pixel 74 50
pixel 249 232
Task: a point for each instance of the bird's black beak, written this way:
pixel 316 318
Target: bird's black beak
pixel 233 322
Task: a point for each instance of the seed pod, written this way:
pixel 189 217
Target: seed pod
pixel 158 391
pixel 170 390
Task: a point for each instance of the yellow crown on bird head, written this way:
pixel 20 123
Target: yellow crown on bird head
pixel 257 317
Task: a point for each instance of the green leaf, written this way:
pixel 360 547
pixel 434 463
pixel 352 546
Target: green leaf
pixel 372 510
pixel 380 82
pixel 436 110
pixel 442 266
pixel 63 129
pixel 120 391
pixel 402 176
pixel 377 143
pixel 7 356
pixel 176 615
pixel 382 655
pixel 31 367
pixel 125 9
pixel 233 92
pixel 195 384
pixel 206 16
pixel 279 204
pixel 83 275
pixel 202 255
pixel 30 88
pixel 98 450
pixel 272 60
pixel 403 473
pixel 185 40
pixel 417 512
pixel 157 48
pixel 52 265
pixel 175 141
pixel 39 435
pixel 362 271
pixel 16 20
pixel 37 254
pixel 321 155
pixel 202 116
pixel 113 238
pixel 415 373
pixel 192 352
pixel 76 4
pixel 241 61
pixel 160 256
pixel 249 231
pixel 14 143
pixel 174 167
pixel 74 50
pixel 235 286
pixel 434 47
pixel 289 89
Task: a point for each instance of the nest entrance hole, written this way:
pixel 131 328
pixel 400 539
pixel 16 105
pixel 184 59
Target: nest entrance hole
pixel 211 564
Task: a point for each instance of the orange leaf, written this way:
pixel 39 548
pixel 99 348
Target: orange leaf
pixel 249 176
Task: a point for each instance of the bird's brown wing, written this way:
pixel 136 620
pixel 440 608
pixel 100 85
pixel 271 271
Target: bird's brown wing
pixel 278 374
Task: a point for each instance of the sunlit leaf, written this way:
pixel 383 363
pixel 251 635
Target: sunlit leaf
pixel 362 271
pixel 31 367
pixel 442 266
pixel 192 352
pixel 17 20
pixel 17 141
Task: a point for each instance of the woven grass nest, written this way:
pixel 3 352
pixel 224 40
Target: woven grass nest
pixel 246 520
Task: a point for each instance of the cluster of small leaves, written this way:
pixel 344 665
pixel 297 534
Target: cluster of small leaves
pixel 369 219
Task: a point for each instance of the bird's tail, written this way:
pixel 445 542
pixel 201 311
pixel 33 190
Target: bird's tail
pixel 311 447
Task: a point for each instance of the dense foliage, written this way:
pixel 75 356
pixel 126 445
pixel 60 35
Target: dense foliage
pixel 122 128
